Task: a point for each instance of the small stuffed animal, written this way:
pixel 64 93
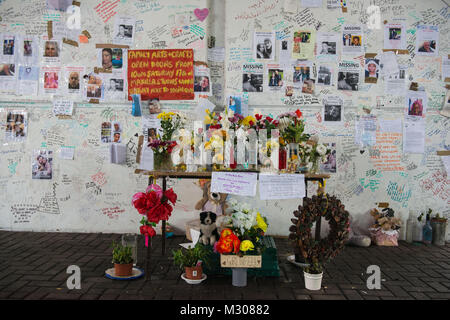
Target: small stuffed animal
pixel 208 229
pixel 211 201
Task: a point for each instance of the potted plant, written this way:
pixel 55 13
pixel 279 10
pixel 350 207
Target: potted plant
pixel 122 259
pixel 190 260
pixel 317 252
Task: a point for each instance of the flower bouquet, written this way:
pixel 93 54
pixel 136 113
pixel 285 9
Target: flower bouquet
pixel 312 153
pixel 162 154
pixel 155 206
pixel 245 228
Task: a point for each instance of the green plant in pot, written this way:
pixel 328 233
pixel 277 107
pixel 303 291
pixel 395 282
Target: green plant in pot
pixel 191 260
pixel 122 259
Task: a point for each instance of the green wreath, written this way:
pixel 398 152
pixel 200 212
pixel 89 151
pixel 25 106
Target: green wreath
pixel 317 253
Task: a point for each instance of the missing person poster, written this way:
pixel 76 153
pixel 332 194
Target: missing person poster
pixel 73 81
pixel 167 74
pixel 303 44
pixel 395 84
pixel 115 87
pixel 16 125
pixel 264 45
pixel 94 89
pixel 28 80
pixel 302 72
pixel 50 50
pixel 112 58
pixel 371 68
pixel 9 50
pixel 427 40
pixel 395 36
pixel 416 103
pixel 28 50
pixel 352 40
pixel 252 77
pixel 326 74
pixel 51 81
pixel 41 164
pixel 348 75
pixel 327 44
pixel 124 30
pixel 202 80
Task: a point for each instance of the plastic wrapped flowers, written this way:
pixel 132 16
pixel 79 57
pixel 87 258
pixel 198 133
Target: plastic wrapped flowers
pixel 246 227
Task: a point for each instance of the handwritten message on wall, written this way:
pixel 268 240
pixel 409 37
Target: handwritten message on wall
pixel 164 74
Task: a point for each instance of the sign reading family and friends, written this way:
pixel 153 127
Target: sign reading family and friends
pixel 164 74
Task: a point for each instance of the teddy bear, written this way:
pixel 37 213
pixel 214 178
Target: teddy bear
pixel 211 202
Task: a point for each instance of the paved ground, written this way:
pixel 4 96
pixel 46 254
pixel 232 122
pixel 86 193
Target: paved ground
pixel 33 266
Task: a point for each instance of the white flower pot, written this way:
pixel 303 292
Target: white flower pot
pixel 313 281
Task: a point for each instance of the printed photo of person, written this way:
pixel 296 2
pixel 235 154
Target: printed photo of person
pixel 116 137
pixel 372 68
pixel 117 58
pixel 117 127
pixel 264 48
pixel 107 54
pixel 428 46
pixel 328 47
pixel 125 31
pixel 15 125
pixel 347 39
pixel 152 135
pixel 74 81
pixel 94 87
pixel 332 113
pixel 51 80
pixel 106 132
pixel 415 107
pixel 7 69
pixel 348 81
pixel 51 49
pixel 324 76
pixel 8 47
pixel 234 104
pixel 154 106
pixel 252 82
pixel 356 41
pixel 201 84
pixel 301 74
pixel 27 48
pixel 304 37
pixel 41 167
pixel 395 33
pixel 275 78
pixel 308 86
pixel 329 166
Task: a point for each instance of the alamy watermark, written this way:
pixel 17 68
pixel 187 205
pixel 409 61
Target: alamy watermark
pixel 74 281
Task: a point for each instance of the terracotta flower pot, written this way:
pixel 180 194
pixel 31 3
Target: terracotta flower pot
pixel 194 273
pixel 123 270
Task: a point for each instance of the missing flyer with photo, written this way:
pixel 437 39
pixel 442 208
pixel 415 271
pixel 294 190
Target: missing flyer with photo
pixel 303 44
pixel 395 36
pixel 327 44
pixel 348 75
pixel 264 45
pixel 41 164
pixel 352 39
pixel 252 77
pixel 332 109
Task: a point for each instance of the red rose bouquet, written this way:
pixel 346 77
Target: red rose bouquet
pixel 155 205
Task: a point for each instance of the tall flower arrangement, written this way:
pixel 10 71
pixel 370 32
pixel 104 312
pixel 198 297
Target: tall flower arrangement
pixel 312 153
pixel 245 229
pixel 292 127
pixel 154 205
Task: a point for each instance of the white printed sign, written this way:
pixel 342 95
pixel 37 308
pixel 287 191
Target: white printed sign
pixel 281 186
pixel 239 183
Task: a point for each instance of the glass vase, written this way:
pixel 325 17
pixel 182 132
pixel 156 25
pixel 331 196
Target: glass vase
pixel 162 162
pixel 293 158
pixel 282 158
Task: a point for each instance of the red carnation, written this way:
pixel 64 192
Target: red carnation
pixel 298 113
pixel 258 116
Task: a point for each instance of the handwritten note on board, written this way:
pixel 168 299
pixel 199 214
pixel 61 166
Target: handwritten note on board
pixel 239 183
pixel 281 186
pixel 62 107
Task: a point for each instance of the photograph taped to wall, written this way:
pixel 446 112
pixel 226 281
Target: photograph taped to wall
pixel 264 45
pixel 395 36
pixel 352 39
pixel 8 51
pixel 112 59
pixel 50 80
pixel 94 88
pixel 73 80
pixel 124 30
pixel 327 44
pixel 348 76
pixel 275 74
pixel 253 77
pixel 116 133
pixel 202 77
pixel 303 44
pixel 285 52
pixel 427 40
pixel 114 87
pixel 28 80
pixel 330 164
pixel 371 70
pixel 105 135
pixel 325 75
pixel 16 125
pixel 333 109
pixel 28 50
pixel 51 51
pixel 41 164
pixel 416 103
pixel 395 84
pixel 8 78
pixel 301 73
